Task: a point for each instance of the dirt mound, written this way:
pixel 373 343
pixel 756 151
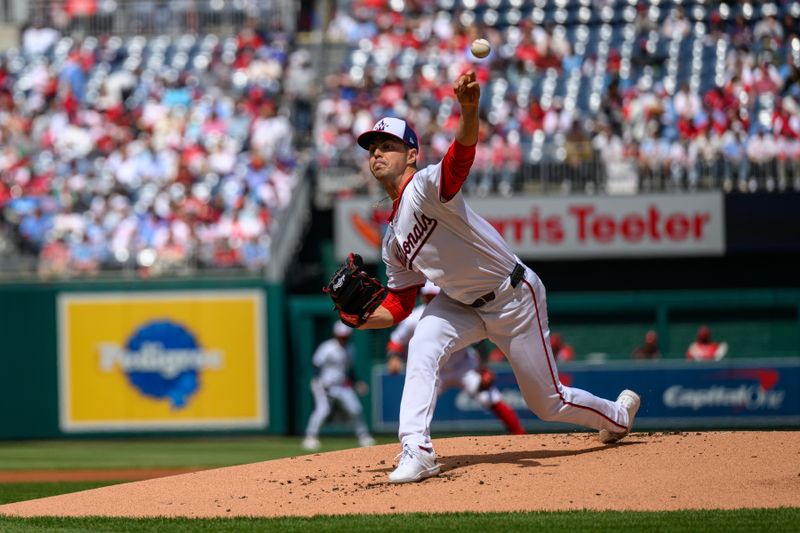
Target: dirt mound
pixel 655 471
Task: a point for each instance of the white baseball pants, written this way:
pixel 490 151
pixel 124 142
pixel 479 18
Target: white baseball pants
pixel 346 397
pixel 516 321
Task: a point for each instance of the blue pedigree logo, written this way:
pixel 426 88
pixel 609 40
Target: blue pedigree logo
pixel 163 360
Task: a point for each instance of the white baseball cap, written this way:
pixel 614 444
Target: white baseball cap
pixel 429 289
pixel 394 127
pixel 340 330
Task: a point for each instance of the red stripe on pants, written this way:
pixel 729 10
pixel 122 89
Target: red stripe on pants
pixel 550 365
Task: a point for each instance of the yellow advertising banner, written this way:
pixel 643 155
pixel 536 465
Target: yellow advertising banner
pixel 162 361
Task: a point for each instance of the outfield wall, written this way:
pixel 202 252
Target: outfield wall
pixel 141 357
pixel 762 328
pixel 736 393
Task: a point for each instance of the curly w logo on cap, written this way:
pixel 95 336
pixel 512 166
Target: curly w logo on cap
pixel 394 127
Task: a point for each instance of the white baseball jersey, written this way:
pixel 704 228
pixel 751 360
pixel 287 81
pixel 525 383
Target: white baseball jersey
pixel 428 238
pixel 333 362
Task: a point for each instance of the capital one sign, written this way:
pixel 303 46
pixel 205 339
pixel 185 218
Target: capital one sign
pixel 572 226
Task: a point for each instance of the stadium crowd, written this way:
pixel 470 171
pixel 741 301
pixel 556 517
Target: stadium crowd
pixel 153 155
pixel 702 96
pixel 168 153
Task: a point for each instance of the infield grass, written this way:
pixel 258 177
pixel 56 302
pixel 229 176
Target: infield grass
pixel 158 452
pixel 745 520
pixel 19 492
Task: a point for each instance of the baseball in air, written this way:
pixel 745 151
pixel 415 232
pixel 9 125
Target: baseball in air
pixel 480 48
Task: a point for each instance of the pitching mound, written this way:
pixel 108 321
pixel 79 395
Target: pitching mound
pixel 656 471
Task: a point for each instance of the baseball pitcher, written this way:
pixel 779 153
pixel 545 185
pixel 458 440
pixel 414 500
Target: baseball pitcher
pixel 486 291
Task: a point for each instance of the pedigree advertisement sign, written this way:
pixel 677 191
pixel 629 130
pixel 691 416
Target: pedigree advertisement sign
pixel 579 227
pixel 161 361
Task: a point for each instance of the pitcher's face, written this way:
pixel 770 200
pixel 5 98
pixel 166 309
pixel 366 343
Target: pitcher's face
pixel 388 157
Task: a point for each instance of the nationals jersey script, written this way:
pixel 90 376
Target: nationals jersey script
pixel 445 242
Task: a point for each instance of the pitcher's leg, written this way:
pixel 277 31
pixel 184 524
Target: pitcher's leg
pixel 443 328
pixel 531 358
pixel 549 399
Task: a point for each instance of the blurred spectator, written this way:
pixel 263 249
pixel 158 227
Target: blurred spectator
pixel 38 38
pixel 741 34
pixel 479 180
pixel 84 257
pixel 704 349
pixel 761 152
pixel 224 255
pixel 271 133
pixel 562 351
pixel 578 151
pixel 764 79
pixel 683 165
pixel 255 253
pixel 768 31
pixel 73 78
pixel 643 23
pixel 707 158
pixel 649 348
pixel 172 256
pixel 33 229
pixel 54 259
pixel 299 86
pixel 508 161
pixel 736 165
pixel 687 104
pixel 608 144
pixel 676 25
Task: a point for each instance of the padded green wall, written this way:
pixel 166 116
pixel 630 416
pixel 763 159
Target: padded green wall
pixel 28 357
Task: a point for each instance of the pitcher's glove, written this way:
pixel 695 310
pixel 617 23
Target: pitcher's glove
pixel 355 293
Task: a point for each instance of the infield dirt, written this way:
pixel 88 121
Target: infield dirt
pixel 646 471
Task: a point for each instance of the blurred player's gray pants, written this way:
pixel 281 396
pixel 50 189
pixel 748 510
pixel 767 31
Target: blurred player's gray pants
pixel 347 398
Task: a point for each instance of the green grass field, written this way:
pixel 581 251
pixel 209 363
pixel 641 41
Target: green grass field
pixel 157 453
pixel 215 452
pixel 689 521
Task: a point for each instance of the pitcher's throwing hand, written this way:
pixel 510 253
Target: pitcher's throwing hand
pixel 467 89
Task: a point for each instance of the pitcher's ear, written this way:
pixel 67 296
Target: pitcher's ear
pixel 411 156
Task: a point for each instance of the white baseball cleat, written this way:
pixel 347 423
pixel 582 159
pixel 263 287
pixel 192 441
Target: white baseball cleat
pixel 416 463
pixel 365 441
pixel 310 443
pixel 630 401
